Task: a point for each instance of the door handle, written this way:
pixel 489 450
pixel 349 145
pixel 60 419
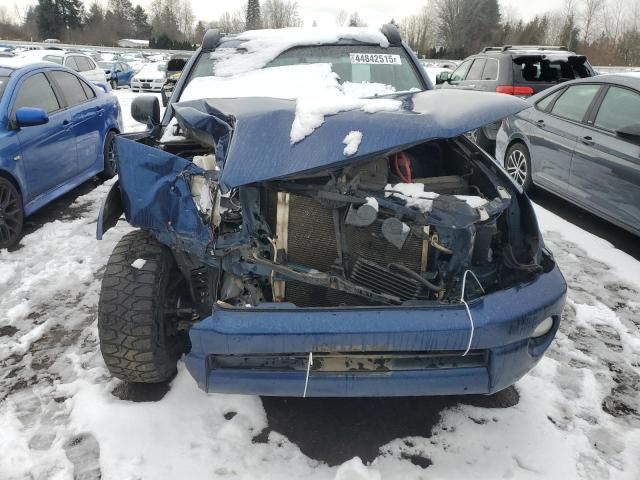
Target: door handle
pixel 66 124
pixel 587 140
pixel 540 123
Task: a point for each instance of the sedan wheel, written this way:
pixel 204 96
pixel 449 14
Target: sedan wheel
pixel 518 165
pixel 11 214
pixel 110 161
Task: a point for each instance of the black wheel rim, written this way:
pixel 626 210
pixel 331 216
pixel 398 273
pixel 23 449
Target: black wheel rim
pixel 111 155
pixel 10 215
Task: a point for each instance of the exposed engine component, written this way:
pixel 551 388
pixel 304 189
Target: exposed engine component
pixel 364 215
pixel 383 280
pixel 395 231
pixel 400 228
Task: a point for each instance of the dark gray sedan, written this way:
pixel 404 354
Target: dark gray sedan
pixel 581 141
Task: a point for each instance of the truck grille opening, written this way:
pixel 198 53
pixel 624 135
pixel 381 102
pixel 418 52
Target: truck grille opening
pixel 374 362
pixel 312 242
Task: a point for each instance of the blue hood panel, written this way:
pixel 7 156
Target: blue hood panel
pixel 252 134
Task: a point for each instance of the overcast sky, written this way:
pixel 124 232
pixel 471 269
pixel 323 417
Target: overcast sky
pixel 374 12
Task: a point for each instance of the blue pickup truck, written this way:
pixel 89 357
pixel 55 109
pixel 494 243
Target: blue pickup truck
pixel 377 253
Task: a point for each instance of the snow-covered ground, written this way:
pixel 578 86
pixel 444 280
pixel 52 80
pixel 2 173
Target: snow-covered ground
pixel 575 416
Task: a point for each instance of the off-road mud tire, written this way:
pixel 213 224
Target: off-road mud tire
pixel 138 337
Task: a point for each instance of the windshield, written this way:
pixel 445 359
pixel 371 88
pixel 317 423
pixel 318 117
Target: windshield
pixel 352 63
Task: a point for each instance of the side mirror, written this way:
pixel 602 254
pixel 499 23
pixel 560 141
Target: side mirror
pixel 442 77
pixel 31 117
pixel 146 109
pixel 630 133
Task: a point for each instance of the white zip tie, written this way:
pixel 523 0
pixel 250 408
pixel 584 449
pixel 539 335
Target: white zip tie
pixel 466 305
pixel 306 380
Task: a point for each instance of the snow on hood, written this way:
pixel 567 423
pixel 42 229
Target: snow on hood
pixel 259 47
pixel 315 87
pixel 252 135
pixel 151 71
pixel 287 82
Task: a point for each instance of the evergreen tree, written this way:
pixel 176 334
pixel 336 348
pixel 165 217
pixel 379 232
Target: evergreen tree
pixel 71 13
pixel 141 26
pixel 120 18
pixel 200 30
pixel 569 34
pixel 254 19
pixel 95 17
pixel 49 24
pixel 355 21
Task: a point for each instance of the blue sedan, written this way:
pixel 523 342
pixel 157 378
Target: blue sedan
pixel 56 131
pixel 118 74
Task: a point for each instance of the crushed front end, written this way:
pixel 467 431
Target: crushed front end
pixel 416 268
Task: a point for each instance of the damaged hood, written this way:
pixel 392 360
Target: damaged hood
pixel 252 135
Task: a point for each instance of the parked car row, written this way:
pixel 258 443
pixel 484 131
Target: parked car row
pixel 59 124
pixel 82 64
pixel 514 70
pixel 580 139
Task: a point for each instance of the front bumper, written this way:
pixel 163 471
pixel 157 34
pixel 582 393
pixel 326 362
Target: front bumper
pixel 226 344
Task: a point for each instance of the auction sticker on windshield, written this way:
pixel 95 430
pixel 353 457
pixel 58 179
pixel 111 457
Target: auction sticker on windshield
pixel 375 58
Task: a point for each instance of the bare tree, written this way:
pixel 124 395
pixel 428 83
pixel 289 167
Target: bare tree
pixel 570 7
pixel 356 21
pixel 186 18
pixel 341 18
pixel 231 22
pixel 591 16
pixel 419 30
pixel 554 28
pixel 5 17
pixel 467 25
pixel 280 14
pixel 613 17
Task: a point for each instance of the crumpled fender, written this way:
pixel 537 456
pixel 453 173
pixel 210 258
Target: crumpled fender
pixel 154 193
pixel 111 211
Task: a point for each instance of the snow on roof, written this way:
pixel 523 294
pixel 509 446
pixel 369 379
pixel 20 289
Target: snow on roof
pixel 17 62
pixel 135 41
pixel 39 54
pixel 259 47
pixel 315 88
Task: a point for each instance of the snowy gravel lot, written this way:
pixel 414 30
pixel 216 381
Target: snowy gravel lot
pixel 576 415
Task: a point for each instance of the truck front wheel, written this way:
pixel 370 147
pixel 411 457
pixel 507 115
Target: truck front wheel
pixel 142 289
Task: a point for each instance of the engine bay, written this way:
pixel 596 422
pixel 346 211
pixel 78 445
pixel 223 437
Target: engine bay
pixel 433 223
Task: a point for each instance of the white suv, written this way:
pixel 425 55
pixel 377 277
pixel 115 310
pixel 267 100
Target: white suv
pixel 83 64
